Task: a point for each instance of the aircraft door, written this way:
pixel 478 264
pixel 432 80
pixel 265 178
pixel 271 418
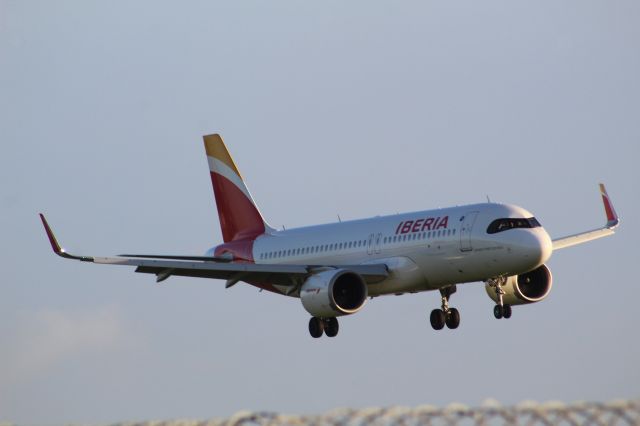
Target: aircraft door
pixel 466 225
pixel 370 244
pixel 378 242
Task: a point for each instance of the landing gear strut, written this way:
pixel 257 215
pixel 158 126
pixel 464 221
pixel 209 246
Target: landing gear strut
pixel 446 315
pixel 328 326
pixel 500 310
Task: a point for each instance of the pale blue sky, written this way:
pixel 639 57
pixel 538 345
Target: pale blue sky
pixel 350 108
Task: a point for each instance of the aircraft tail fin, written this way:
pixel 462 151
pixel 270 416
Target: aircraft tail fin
pixel 239 215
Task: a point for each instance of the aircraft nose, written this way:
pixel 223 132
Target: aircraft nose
pixel 535 246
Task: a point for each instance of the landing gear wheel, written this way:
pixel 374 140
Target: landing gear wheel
pixel 331 327
pixel 437 319
pixel 453 318
pixel 498 311
pixel 506 311
pixel 316 327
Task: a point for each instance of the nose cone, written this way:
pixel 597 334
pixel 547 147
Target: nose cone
pixel 545 245
pixel 534 246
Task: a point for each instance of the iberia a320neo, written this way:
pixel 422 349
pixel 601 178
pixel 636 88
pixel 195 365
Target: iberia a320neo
pixel 334 268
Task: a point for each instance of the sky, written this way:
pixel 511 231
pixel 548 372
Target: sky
pixel 329 108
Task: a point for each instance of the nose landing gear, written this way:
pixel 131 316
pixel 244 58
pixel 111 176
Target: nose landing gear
pixel 503 311
pixel 500 310
pixel 446 315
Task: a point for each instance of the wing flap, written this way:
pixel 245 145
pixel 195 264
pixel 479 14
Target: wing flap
pixel 278 274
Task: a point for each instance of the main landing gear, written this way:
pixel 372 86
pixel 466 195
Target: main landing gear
pixel 500 310
pixel 446 315
pixel 328 326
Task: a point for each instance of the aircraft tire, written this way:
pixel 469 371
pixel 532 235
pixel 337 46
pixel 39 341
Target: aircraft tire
pixel 453 318
pixel 506 311
pixel 498 311
pixel 331 327
pixel 437 319
pixel 316 327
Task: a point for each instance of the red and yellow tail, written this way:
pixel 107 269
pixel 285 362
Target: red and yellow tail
pixel 239 215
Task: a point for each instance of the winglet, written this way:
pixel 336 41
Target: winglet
pixel 612 217
pixel 52 238
pixel 56 246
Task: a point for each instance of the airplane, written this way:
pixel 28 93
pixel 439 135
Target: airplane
pixel 334 268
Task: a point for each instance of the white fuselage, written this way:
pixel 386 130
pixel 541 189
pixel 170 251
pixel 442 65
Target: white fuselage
pixel 423 250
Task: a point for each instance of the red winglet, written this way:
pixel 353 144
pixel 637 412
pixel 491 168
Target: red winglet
pixel 52 238
pixel 612 217
pixel 56 247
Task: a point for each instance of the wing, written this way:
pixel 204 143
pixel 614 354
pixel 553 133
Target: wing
pixel 608 229
pixel 218 267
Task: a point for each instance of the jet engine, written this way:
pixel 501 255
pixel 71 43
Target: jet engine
pixel 529 287
pixel 333 293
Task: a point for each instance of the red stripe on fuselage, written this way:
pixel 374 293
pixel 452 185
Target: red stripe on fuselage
pixel 242 250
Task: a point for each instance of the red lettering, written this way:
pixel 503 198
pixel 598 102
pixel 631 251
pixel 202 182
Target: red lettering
pixel 407 226
pixel 427 224
pixel 416 226
pixel 443 223
pixel 398 228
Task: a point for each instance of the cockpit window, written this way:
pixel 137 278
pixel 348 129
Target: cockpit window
pixel 500 225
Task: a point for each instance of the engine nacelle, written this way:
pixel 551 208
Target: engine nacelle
pixel 333 293
pixel 530 287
